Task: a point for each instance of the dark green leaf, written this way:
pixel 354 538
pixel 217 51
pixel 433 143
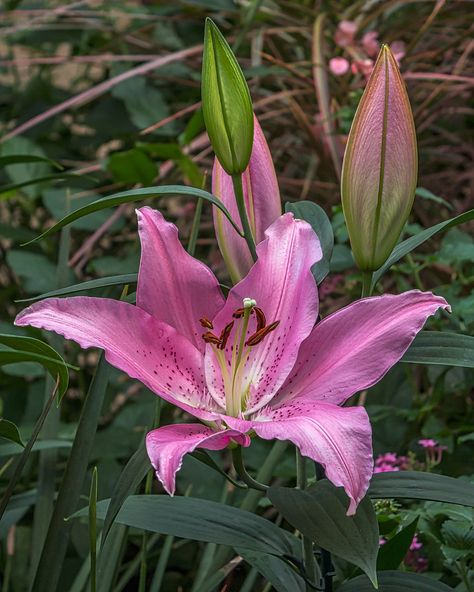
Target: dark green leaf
pixel 282 577
pixel 137 195
pixel 132 166
pixel 437 347
pixel 396 581
pixel 200 520
pixel 113 280
pixel 57 177
pixel 320 514
pixel 392 553
pixel 30 349
pixel 55 546
pixel 424 486
pixel 10 431
pixel 317 218
pixel 413 242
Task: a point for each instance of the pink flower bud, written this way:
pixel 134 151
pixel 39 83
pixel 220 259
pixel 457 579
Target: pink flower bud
pixel 380 166
pixel 262 200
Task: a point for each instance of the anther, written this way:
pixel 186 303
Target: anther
pixel 239 313
pixel 224 336
pixel 211 338
pixel 258 336
pixel 261 320
pixel 206 323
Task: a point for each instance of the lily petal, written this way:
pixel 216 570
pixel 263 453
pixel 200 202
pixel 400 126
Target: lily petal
pixel 283 286
pixel 262 201
pixel 353 348
pixel 167 446
pixel 134 341
pixel 339 438
pixel 173 286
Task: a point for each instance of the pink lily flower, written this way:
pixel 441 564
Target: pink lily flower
pixel 262 201
pixel 254 363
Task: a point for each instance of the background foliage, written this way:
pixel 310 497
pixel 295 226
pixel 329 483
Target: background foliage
pixel 105 97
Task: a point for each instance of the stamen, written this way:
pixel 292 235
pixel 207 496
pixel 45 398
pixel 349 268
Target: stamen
pixel 239 313
pixel 211 338
pixel 206 323
pixel 224 336
pixel 258 336
pixel 261 320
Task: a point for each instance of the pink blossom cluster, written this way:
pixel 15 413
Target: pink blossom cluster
pixel 362 54
pixel 391 462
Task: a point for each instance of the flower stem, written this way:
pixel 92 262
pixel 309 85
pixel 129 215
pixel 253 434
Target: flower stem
pixel 310 565
pixel 239 198
pixel 366 284
pixel 242 471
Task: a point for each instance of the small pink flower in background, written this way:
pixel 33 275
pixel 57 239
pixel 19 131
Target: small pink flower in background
pixel 416 544
pixel 390 461
pixel 370 43
pixel 339 66
pixel 363 67
pixel 254 363
pixel 428 443
pixel 434 451
pixel 345 33
pixel 414 559
pixel 398 49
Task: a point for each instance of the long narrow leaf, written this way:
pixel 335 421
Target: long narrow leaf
pixel 413 242
pixel 136 195
pixel 106 282
pixel 442 348
pixel 54 550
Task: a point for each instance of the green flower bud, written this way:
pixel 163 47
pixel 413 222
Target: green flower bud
pixel 226 103
pixel 380 166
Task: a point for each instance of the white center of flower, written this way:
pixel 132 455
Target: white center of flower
pixel 232 355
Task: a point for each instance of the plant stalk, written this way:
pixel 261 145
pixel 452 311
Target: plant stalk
pixel 239 198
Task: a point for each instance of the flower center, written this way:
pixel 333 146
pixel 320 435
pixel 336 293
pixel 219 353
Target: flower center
pixel 236 384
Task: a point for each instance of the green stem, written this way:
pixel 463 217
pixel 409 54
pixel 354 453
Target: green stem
pixel 239 198
pixel 310 566
pixel 242 471
pixel 366 284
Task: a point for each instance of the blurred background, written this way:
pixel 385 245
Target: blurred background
pixel 110 93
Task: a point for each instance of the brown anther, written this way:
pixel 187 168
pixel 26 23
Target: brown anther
pixel 261 320
pixel 239 313
pixel 211 338
pixel 224 336
pixel 260 335
pixel 206 323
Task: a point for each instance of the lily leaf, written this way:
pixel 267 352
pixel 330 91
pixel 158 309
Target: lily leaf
pixel 136 195
pixel 320 514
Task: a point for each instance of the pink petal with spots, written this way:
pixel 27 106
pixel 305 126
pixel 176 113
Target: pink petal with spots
pixel 133 341
pixel 339 438
pixel 173 286
pixel 353 348
pixel 167 446
pixel 283 286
